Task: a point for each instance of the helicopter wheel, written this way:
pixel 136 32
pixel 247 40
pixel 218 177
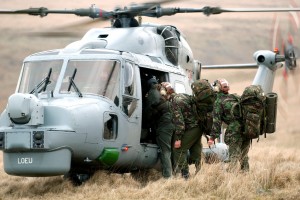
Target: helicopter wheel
pixel 76 178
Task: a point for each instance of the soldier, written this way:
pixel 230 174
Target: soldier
pixel 188 131
pixel 224 112
pixel 158 111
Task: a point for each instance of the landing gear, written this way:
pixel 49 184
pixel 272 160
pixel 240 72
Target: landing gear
pixel 77 179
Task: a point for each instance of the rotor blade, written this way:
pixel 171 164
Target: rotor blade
pixel 218 10
pixel 91 12
pixel 159 12
pixel 63 31
pixel 53 34
pixel 152 4
pixel 70 30
pixel 67 30
pixel 136 9
pixel 296 78
pixel 232 66
pixel 282 110
pixel 150 9
pixel 290 83
pixel 85 23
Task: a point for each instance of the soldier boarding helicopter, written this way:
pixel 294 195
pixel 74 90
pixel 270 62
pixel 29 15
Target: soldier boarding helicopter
pixel 79 109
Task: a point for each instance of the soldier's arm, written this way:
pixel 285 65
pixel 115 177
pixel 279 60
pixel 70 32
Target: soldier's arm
pixel 178 119
pixel 217 119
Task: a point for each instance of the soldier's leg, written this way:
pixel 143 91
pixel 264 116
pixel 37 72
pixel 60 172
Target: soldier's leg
pixel 244 159
pixel 180 155
pixel 192 142
pixel 164 140
pixel 196 148
pixel 234 141
pixel 180 160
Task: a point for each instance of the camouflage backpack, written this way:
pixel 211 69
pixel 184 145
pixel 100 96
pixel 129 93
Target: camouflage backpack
pixel 253 111
pixel 231 106
pixel 203 95
pixel 203 100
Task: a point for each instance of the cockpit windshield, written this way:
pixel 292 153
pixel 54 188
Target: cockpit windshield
pixel 99 77
pixel 40 76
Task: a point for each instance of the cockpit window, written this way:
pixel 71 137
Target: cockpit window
pixel 99 77
pixel 39 76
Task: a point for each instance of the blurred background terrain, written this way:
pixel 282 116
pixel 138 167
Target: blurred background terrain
pixel 219 39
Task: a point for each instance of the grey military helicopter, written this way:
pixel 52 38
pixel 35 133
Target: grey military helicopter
pixel 79 109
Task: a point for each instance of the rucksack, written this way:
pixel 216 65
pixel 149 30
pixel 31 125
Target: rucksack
pixel 253 111
pixel 231 106
pixel 203 95
pixel 203 100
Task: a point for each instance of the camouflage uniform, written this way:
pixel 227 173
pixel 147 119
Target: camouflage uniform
pixel 158 112
pixel 188 131
pixel 238 145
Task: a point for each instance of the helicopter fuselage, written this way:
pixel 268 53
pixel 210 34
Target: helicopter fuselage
pixel 80 107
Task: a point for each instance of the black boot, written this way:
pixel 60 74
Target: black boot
pixel 185 174
pixel 197 166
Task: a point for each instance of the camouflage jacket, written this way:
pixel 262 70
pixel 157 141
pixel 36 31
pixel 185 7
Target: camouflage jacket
pixel 221 113
pixel 184 116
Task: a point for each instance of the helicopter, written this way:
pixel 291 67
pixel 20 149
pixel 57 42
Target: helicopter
pixel 79 109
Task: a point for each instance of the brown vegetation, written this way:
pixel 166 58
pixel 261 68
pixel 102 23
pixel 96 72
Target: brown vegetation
pixel 226 38
pixel 274 174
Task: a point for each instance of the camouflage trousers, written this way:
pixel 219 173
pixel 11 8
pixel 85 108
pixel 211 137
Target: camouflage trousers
pixel 238 147
pixel 190 141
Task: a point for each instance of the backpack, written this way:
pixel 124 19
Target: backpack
pixel 203 100
pixel 231 106
pixel 253 111
pixel 203 95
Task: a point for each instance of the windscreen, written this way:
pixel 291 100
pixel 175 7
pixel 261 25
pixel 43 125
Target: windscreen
pixel 100 77
pixel 39 76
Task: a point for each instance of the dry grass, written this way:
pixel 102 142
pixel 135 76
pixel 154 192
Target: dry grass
pixel 274 174
pixel 227 38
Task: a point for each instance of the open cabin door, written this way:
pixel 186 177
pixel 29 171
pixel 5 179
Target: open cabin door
pixel 148 132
